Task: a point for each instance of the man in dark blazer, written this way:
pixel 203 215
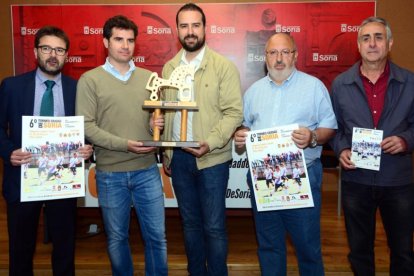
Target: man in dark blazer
pixel 22 95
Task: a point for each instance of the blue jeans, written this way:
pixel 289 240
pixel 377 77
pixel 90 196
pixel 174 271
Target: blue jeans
pixel 143 189
pixel 396 205
pixel 201 196
pixel 303 226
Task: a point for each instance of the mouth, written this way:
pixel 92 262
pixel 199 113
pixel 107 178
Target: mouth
pixel 52 62
pixel 190 38
pixel 279 66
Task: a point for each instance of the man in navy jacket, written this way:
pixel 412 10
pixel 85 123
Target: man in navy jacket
pixel 377 94
pixel 22 95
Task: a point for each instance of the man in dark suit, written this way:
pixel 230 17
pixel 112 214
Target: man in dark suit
pixel 22 95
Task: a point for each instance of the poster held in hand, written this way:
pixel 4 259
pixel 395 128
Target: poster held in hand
pixel 366 148
pixel 278 169
pixel 55 171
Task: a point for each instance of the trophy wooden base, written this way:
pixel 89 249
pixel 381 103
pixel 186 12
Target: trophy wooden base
pixel 170 105
pixel 171 144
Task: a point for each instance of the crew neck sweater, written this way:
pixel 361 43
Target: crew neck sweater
pixel 113 114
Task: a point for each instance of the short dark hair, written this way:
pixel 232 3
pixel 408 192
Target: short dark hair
pixel 53 31
pixel 120 22
pixel 191 7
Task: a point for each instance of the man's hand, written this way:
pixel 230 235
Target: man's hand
pixel 240 137
pixel 198 152
pixel 85 152
pixel 157 122
pixel 137 147
pixel 18 157
pixel 393 145
pixel 345 160
pixel 167 169
pixel 302 137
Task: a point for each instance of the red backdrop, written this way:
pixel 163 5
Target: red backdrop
pixel 325 33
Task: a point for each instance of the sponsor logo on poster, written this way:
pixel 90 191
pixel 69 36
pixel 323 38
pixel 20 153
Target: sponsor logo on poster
pixel 153 30
pixel 287 29
pixel 214 29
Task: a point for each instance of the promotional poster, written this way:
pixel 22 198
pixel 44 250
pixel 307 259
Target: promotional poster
pixel 366 148
pixel 55 171
pixel 278 169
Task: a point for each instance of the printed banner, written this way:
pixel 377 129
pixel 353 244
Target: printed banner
pixel 325 34
pixel 237 195
pixel 55 170
pixel 366 148
pixel 278 169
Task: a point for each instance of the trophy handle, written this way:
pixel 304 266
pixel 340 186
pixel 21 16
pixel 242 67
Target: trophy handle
pixel 156 130
pixel 183 130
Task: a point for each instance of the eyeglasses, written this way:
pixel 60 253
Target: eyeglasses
pixel 275 53
pixel 45 49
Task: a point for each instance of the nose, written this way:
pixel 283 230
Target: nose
pixel 372 42
pixel 125 44
pixel 279 56
pixel 53 52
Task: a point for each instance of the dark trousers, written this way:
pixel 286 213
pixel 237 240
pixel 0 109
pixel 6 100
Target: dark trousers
pixel 23 220
pixel 396 206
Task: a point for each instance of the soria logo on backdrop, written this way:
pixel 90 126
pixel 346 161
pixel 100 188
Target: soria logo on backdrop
pixel 287 29
pixel 155 31
pixel 345 28
pixel 92 31
pixel 138 59
pixel 253 57
pixel 324 58
pixel 214 29
pixel 28 31
pixel 73 59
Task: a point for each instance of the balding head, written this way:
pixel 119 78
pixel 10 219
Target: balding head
pixel 281 55
pixel 279 38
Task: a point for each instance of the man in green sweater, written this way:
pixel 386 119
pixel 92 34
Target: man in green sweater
pixel 110 97
pixel 200 175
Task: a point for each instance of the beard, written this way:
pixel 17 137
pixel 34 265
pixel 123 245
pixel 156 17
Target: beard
pixel 280 75
pixel 195 47
pixel 50 70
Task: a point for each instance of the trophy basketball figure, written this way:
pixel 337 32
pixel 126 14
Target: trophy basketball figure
pixel 181 79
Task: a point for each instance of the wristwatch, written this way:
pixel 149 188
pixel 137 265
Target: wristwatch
pixel 314 141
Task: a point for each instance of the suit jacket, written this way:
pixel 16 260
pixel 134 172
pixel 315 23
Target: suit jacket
pixel 17 96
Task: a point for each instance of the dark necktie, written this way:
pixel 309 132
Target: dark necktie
pixel 46 108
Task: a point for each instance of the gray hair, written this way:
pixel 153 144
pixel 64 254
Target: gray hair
pixel 380 20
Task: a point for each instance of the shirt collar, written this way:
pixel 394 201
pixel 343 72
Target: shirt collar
pixel 42 78
pixel 112 68
pixel 285 82
pixel 197 60
pixel 385 73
